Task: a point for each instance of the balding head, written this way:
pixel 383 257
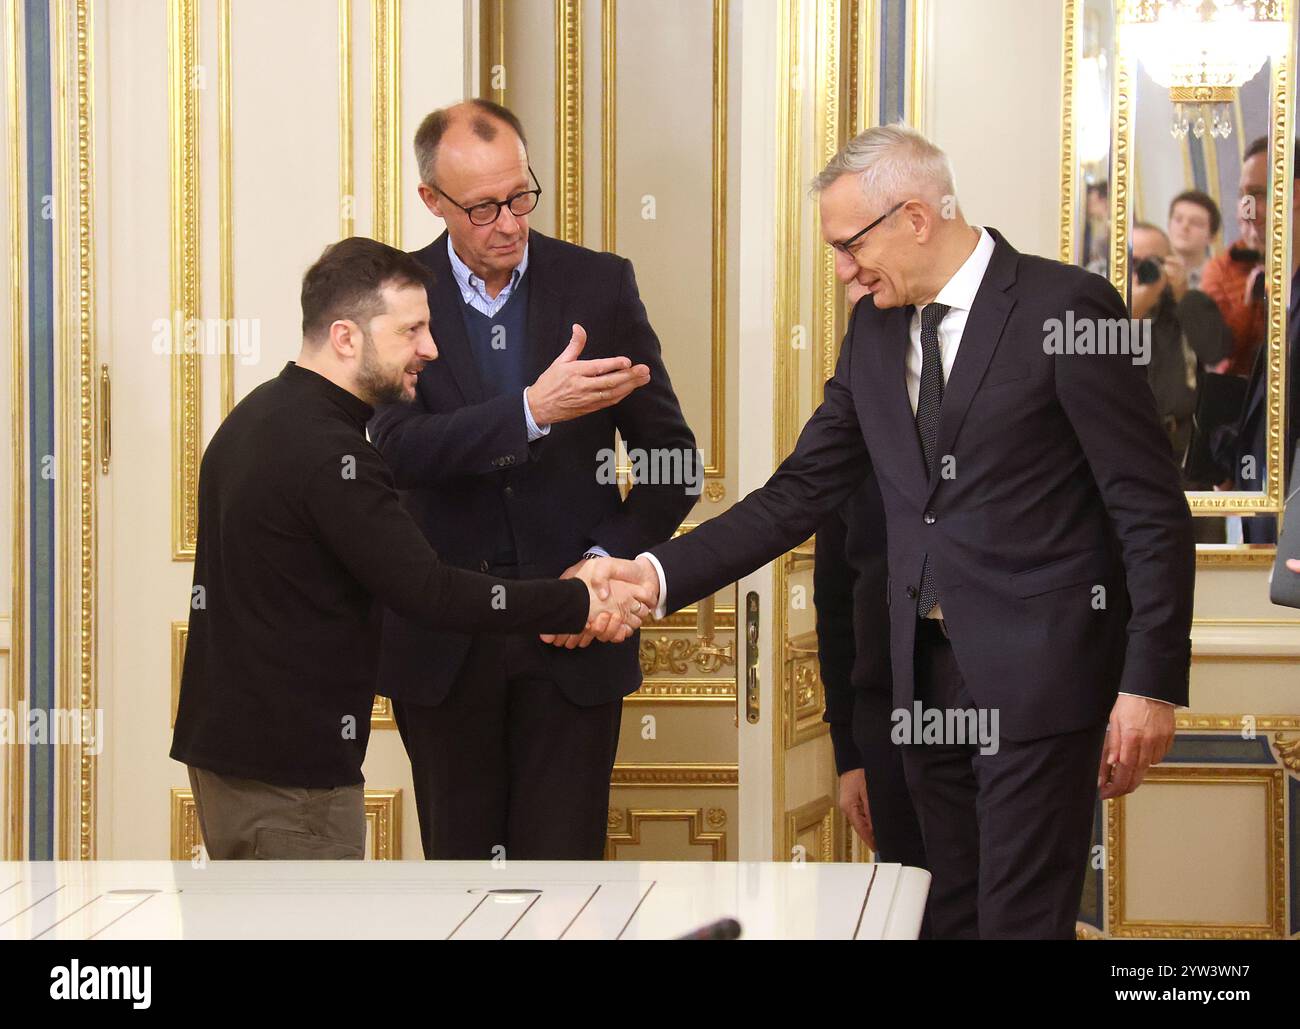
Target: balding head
pixel 474 119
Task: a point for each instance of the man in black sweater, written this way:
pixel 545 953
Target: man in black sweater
pixel 299 533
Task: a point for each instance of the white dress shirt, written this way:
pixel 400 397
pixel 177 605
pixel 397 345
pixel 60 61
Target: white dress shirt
pixel 959 294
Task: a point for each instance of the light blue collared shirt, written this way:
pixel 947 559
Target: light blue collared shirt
pixel 473 291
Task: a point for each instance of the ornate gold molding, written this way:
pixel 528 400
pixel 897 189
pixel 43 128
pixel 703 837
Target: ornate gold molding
pixel 180 636
pixel 677 775
pixel 805 695
pixel 718 299
pixel 347 172
pixel 1272 780
pixel 635 818
pixel 670 647
pixel 788 224
pixel 386 51
pixel 917 39
pixel 827 120
pixel 1288 752
pixel 864 29
pixel 684 618
pixel 187 396
pixel 1073 10
pixel 492 49
pixel 186 837
pixel 679 690
pixel 1194 720
pixel 1245 556
pixel 75 393
pixel 1120 150
pixel 1278 266
pixel 568 120
pixel 609 123
pixel 66 415
pixel 225 210
pixel 817 816
pixel 384 824
pixel 381 714
pixel 679 653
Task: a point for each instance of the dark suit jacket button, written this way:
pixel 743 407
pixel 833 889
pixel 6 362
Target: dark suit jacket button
pixel 911 592
pixel 482 566
pixel 509 491
pixel 928 518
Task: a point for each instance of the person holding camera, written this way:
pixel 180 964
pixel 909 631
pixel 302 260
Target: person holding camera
pixel 1187 332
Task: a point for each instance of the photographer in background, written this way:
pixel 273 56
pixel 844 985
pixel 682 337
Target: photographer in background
pixel 1187 332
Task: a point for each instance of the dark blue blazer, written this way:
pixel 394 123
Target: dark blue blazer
pixel 462 458
pixel 1061 545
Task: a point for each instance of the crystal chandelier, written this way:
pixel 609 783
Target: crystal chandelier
pixel 1202 51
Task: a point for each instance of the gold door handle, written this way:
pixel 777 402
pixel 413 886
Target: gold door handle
pixel 705 632
pixel 105 418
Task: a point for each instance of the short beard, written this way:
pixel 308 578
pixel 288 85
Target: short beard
pixel 374 388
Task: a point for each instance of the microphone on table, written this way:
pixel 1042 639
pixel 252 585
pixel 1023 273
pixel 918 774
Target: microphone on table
pixel 722 929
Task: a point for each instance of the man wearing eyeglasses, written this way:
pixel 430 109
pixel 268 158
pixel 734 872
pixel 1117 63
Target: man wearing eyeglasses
pixel 546 353
pixel 1040 553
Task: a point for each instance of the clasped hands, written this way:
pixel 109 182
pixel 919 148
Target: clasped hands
pixel 622 595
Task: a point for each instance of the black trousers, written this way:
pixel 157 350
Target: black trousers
pixel 1006 833
pixel 507 766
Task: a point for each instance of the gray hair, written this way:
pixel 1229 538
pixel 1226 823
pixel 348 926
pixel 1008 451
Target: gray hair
pixel 893 163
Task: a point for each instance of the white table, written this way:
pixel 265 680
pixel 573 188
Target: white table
pixel 601 900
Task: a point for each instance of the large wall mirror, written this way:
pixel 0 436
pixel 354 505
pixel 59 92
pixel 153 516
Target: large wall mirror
pixel 1177 168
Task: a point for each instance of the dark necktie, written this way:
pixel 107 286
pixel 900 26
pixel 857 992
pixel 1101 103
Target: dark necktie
pixel 928 402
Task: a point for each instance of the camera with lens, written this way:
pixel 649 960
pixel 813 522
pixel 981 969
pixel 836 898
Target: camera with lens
pixel 1148 270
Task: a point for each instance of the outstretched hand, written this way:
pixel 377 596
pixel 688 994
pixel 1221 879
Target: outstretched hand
pixel 571 388
pixel 617 609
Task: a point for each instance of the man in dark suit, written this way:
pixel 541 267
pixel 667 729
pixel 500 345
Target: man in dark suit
pixel 1040 550
pixel 850 587
pixel 507 460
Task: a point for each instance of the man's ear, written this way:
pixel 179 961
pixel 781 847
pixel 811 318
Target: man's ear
pixel 921 218
pixel 345 338
pixel 432 199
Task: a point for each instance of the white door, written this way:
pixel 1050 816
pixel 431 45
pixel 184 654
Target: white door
pixel 226 163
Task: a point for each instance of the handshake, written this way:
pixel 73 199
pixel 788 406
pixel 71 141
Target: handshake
pixel 622 594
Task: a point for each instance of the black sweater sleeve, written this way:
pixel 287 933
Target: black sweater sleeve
pixel 833 582
pixel 352 502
